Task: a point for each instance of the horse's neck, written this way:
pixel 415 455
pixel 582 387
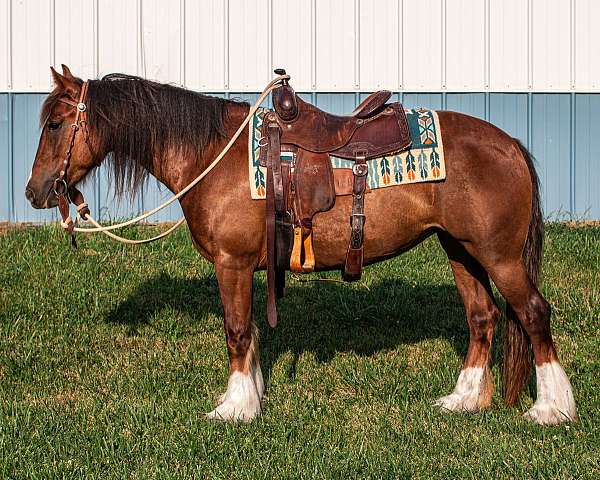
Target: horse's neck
pixel 179 168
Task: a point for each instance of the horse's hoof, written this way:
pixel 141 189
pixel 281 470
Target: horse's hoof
pixel 241 401
pixel 229 411
pixel 545 413
pixel 458 403
pixel 472 393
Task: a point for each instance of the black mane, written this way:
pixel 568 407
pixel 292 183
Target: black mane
pixel 136 120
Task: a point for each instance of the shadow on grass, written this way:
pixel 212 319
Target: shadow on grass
pixel 323 318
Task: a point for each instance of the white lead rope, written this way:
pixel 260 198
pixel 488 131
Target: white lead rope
pixel 179 223
pixel 107 229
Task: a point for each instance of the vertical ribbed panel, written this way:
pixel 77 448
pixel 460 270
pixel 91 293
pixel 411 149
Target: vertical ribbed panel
pixel 161 43
pixel 336 45
pixel 508 111
pixel 470 103
pixel 5 159
pixel 423 45
pixel 292 37
pixel 508 42
pixel 5 47
pixel 248 45
pixel 75 30
pixel 326 45
pixel 587 44
pixel 338 103
pixel 26 112
pixel 118 32
pixel 32 42
pixel 379 24
pixel 551 45
pixel 551 146
pixel 465 46
pixel 205 27
pixel 587 156
pixel 425 100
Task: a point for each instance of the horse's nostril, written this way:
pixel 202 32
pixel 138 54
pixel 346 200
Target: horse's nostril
pixel 29 195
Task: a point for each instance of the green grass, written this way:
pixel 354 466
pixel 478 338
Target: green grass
pixel 110 356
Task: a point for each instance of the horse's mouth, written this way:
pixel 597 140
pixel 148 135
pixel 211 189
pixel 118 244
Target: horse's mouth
pixel 51 200
pixel 39 203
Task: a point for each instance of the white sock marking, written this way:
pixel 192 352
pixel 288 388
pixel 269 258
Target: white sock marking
pixel 465 396
pixel 241 401
pixel 555 403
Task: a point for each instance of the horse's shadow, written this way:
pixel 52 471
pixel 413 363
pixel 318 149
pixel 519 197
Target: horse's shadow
pixel 320 317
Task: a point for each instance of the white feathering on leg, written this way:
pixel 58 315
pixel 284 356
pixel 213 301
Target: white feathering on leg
pixel 465 396
pixel 555 403
pixel 242 400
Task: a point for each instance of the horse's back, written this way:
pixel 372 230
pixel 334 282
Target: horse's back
pixel 487 187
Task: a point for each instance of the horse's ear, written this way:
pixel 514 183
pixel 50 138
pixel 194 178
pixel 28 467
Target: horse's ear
pixel 69 84
pixel 58 78
pixel 66 72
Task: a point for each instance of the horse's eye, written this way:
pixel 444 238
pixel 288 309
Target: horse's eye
pixel 53 125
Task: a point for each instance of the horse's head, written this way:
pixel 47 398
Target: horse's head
pixel 57 120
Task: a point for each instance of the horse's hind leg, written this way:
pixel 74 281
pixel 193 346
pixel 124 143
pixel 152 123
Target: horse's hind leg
pixel 554 403
pixel 475 386
pixel 242 400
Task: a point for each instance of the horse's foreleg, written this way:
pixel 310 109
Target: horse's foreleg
pixel 241 401
pixel 474 387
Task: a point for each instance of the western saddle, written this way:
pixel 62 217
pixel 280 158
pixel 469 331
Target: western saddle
pixel 299 189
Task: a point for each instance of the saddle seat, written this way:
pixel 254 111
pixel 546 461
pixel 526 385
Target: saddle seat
pixel 312 129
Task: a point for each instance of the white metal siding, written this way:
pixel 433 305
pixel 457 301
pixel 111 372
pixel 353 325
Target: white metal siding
pixel 587 44
pixel 422 45
pixel 326 45
pixel 205 45
pixel 509 40
pixel 465 45
pixel 375 31
pixel 295 52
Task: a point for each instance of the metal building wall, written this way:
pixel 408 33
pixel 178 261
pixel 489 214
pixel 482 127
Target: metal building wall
pixel 532 67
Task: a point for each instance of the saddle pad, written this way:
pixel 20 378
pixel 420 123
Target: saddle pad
pixel 423 162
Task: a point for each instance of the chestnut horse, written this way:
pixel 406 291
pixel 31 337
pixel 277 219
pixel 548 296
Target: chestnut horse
pixel 486 215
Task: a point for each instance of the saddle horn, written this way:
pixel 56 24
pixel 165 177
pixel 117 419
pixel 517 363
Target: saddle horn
pixel 284 99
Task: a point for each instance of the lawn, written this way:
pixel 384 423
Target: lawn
pixel 111 355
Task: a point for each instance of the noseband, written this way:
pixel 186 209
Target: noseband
pixel 60 187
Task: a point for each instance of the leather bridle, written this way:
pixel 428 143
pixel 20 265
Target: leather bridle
pixel 60 187
pixel 66 194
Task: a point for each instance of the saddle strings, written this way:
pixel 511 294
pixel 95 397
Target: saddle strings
pixel 107 229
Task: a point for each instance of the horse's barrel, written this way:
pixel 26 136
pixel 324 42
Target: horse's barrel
pixel 284 99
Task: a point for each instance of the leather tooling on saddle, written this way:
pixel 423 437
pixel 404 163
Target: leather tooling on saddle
pixel 298 145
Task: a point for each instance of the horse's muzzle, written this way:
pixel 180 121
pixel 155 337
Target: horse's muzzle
pixel 47 199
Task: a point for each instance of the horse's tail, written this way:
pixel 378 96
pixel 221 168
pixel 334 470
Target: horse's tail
pixel 517 352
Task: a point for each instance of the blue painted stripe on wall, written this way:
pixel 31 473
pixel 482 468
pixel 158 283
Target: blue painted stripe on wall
pixel 550 144
pixel 587 155
pixel 508 111
pixel 25 135
pixel 469 103
pixel 5 196
pixel 548 130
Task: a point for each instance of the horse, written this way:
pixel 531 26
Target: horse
pixel 486 215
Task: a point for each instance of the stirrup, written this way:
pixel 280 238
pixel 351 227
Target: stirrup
pixel 301 245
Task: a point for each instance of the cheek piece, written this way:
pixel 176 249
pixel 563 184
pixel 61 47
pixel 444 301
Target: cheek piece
pixel 60 188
